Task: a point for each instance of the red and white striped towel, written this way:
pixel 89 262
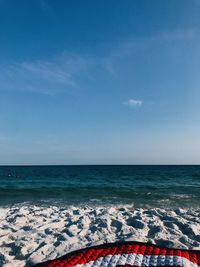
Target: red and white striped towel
pixel 127 254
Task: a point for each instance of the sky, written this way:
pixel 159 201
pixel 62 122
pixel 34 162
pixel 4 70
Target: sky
pixel 99 82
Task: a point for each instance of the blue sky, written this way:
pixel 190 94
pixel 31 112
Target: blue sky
pixel 99 82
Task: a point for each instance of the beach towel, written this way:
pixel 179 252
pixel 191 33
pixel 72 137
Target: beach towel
pixel 126 254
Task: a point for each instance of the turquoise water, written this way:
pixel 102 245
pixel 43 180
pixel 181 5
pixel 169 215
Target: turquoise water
pixel 142 186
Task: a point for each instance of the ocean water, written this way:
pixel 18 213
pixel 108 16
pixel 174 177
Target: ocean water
pixel 141 186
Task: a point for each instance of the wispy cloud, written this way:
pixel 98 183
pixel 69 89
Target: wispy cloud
pixel 134 103
pixel 68 70
pixel 179 35
pixel 131 47
pixel 44 76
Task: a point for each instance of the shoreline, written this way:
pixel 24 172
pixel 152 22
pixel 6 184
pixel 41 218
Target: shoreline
pixel 31 234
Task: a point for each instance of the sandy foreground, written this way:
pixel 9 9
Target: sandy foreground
pixel 31 234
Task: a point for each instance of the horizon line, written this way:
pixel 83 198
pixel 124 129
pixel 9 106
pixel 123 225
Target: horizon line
pixel 100 164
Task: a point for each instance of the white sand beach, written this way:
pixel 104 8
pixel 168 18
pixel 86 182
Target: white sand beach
pixel 31 234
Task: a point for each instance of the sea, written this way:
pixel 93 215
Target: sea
pixel 104 185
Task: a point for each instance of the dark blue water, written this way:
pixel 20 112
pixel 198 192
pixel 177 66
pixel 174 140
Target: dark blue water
pixel 142 186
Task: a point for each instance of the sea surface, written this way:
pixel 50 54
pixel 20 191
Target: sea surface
pixel 141 186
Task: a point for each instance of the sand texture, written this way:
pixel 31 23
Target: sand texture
pixel 31 234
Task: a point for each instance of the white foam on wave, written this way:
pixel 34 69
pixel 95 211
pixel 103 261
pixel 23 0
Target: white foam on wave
pixel 30 234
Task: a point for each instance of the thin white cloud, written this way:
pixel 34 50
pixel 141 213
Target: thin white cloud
pixel 179 35
pixel 130 47
pixel 45 76
pixel 69 70
pixel 134 103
